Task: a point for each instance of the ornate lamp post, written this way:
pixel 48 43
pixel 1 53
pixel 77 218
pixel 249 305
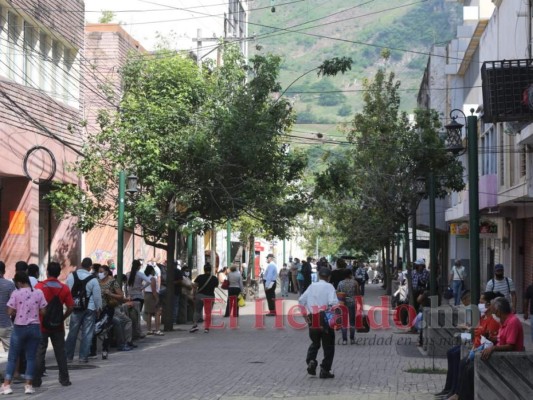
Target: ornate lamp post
pixel 131 188
pixel 454 144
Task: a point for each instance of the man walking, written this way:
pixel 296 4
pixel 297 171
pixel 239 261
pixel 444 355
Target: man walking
pixel 457 281
pixel 271 274
pixel 316 299
pixel 51 288
pixel 87 298
pixel 502 284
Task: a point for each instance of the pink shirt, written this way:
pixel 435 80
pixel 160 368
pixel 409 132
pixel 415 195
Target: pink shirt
pixel 511 332
pixel 27 303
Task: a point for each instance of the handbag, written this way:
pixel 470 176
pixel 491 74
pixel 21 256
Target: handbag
pixel 225 285
pixel 448 293
pixel 240 300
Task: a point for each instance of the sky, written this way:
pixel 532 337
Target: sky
pixel 176 20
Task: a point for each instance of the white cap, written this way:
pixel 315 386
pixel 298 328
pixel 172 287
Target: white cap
pixel 420 261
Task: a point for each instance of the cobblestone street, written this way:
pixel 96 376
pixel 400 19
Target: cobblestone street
pixel 249 363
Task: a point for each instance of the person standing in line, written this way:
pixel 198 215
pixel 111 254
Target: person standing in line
pixel 270 277
pixel 284 280
pixel 6 326
pixel 350 288
pixel 294 276
pixel 504 285
pixel 83 318
pixel 136 282
pixel 457 281
pixel 25 305
pixel 204 296
pixel 51 288
pixel 316 299
pixel 307 271
pixel 299 276
pixel 152 306
pixel 235 288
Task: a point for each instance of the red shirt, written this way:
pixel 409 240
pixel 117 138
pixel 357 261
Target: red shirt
pixel 487 325
pixel 511 332
pixel 52 287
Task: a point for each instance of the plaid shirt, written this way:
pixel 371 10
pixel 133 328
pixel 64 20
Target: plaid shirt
pixel 420 279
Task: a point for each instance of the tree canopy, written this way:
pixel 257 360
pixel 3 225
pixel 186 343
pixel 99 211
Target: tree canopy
pixel 205 143
pixel 370 185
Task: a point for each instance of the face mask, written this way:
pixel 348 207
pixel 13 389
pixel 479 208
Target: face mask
pixel 499 275
pixel 186 274
pixel 101 275
pixel 482 308
pixel 496 318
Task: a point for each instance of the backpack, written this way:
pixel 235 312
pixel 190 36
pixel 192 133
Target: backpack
pixel 53 319
pixel 79 292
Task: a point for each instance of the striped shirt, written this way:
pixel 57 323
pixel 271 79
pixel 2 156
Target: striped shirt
pixel 6 288
pixel 504 286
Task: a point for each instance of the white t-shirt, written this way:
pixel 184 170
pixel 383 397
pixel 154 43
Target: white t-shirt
pixel 459 273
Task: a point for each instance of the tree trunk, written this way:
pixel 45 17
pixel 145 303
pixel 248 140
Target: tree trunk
pixel 251 259
pixel 168 311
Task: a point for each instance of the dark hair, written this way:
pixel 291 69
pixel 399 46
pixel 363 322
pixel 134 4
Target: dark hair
pixel 135 266
pixel 86 263
pixel 95 267
pixel 149 270
pixel 489 296
pixel 106 269
pixel 2 268
pixel 21 266
pixel 54 269
pixel 207 268
pixel 22 277
pixel 33 270
pixel 348 273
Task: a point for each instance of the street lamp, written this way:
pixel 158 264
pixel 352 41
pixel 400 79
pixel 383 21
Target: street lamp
pixel 453 130
pixel 132 188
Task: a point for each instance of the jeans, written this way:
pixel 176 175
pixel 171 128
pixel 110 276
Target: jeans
pixel 271 298
pixel 457 286
pixel 58 343
pixel 199 301
pixel 27 338
pixel 452 376
pixel 134 313
pixel 123 327
pixel 231 304
pixel 326 338
pixel 285 288
pixel 351 319
pixel 83 320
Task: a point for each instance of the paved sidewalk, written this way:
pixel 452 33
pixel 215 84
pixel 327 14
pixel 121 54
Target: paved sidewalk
pixel 250 363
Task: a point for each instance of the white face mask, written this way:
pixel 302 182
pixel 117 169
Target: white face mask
pixel 101 275
pixel 496 318
pixel 482 308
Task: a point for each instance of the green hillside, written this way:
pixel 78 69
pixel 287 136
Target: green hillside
pixel 355 28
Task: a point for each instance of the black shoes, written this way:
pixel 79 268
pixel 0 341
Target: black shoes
pixel 311 367
pixel 326 374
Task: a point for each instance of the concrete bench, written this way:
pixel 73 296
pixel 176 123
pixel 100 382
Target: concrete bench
pixel 505 375
pixel 440 327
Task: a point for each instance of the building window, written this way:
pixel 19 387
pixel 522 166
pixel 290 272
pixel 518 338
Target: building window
pixel 488 146
pixel 523 161
pixel 30 64
pixel 14 55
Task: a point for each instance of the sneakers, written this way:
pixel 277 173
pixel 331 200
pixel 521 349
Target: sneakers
pixel 125 348
pixel 159 333
pixel 344 342
pixel 326 374
pixel 311 367
pixel 6 389
pixel 194 329
pixel 206 330
pixel 104 355
pixel 28 389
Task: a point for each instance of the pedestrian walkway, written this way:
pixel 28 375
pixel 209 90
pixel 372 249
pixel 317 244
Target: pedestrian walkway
pixel 261 358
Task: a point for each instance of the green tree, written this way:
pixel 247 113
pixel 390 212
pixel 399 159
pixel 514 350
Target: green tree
pixel 106 17
pixel 206 145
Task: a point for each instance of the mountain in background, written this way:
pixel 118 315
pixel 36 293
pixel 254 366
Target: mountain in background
pixel 320 29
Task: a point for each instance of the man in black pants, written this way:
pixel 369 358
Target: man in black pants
pixel 270 277
pixel 319 297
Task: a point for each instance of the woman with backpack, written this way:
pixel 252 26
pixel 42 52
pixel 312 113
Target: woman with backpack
pixel 24 306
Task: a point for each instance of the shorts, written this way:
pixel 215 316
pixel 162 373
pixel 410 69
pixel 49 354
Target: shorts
pixel 150 304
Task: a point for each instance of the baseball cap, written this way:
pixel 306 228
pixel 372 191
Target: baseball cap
pixel 420 261
pixel 325 272
pixel 498 267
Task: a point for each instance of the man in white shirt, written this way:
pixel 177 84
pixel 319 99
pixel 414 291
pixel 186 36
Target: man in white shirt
pixel 318 297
